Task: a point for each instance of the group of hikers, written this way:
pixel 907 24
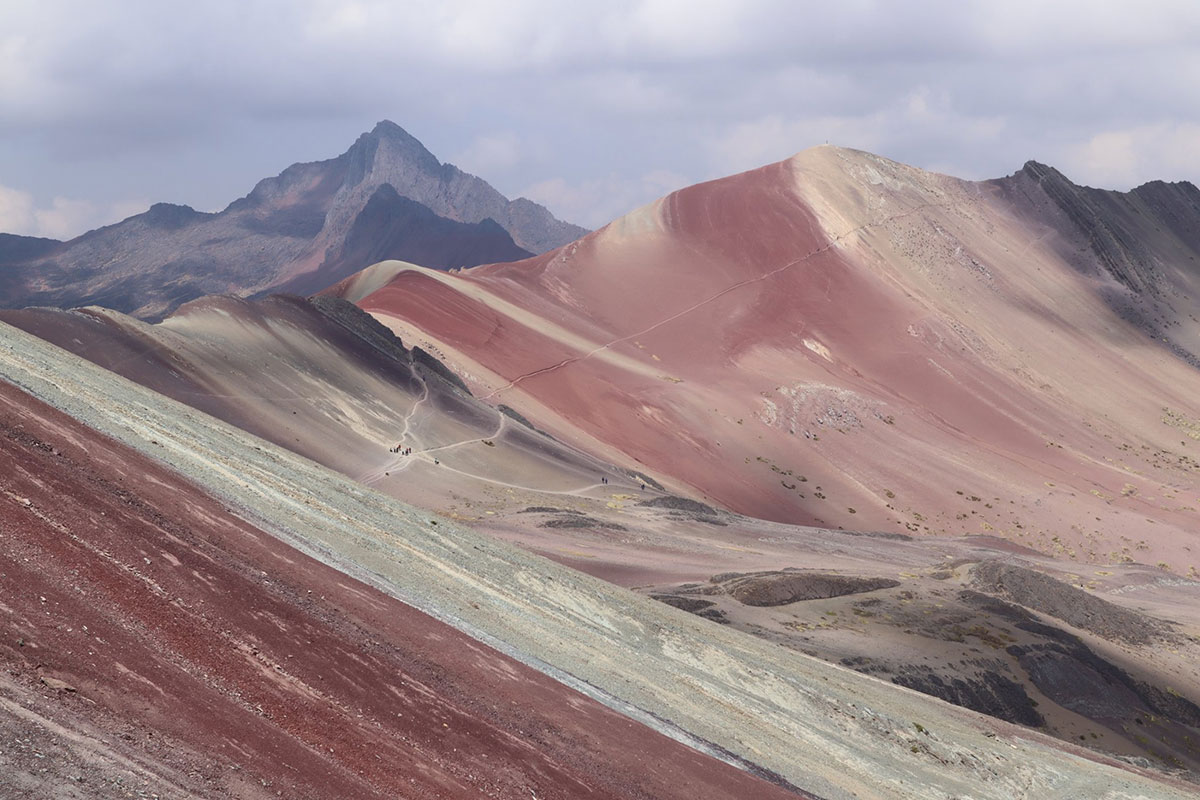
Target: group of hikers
pixel 604 480
pixel 407 451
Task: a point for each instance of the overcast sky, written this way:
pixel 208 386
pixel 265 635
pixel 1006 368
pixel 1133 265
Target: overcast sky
pixel 591 108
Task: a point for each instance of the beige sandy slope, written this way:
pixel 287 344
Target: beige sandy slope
pixel 281 369
pixel 835 732
pixel 1116 407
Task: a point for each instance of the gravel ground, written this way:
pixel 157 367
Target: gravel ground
pixel 823 728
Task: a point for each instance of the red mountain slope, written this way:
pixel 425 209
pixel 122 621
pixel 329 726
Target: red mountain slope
pixel 154 641
pixel 841 340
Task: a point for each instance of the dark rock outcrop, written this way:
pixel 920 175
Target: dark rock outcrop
pixel 432 364
pixel 1073 675
pixel 14 249
pixel 172 217
pixel 694 605
pixel 581 521
pixel 781 588
pixel 676 503
pixel 364 326
pixel 987 692
pixel 1141 246
pixel 392 226
pixel 1072 605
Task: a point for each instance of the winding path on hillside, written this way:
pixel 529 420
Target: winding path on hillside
pixel 824 728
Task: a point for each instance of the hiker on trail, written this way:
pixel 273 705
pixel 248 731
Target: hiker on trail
pixel 643 487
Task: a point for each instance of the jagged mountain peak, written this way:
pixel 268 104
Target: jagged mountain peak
pixel 385 127
pixel 1037 167
pixel 388 147
pixel 289 228
pixel 387 130
pixel 1040 172
pixel 171 215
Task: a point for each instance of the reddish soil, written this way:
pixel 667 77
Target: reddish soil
pixel 841 341
pixel 221 662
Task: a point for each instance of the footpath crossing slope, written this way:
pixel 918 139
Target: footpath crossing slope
pixel 821 728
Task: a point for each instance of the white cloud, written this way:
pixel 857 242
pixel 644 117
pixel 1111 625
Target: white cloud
pixel 772 138
pixel 683 29
pixel 519 34
pixel 63 218
pixel 16 212
pixel 596 202
pixel 194 103
pixel 922 115
pixel 1121 159
pixel 626 92
pixel 1022 27
pixel 490 153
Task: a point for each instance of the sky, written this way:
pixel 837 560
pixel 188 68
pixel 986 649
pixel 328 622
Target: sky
pixel 590 108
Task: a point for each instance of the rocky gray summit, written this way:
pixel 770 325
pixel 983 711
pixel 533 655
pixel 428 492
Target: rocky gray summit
pixel 298 231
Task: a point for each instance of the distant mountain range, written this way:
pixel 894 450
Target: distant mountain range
pixel 304 229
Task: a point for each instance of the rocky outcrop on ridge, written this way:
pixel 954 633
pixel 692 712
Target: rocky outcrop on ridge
pixel 1042 593
pixel 1142 243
